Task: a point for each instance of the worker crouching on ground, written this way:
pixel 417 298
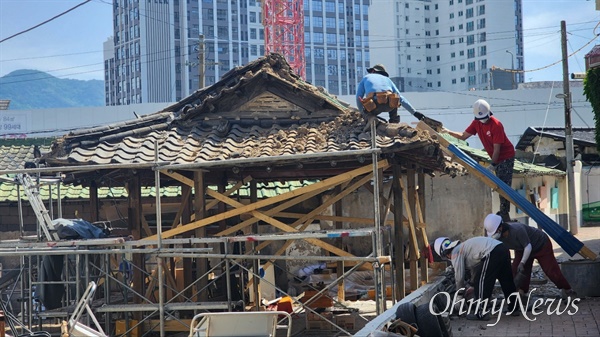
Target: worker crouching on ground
pixel 529 243
pixel 487 260
pixel 376 93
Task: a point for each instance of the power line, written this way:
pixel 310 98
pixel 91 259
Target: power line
pixel 45 22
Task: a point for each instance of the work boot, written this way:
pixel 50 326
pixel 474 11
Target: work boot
pixel 566 293
pixel 394 119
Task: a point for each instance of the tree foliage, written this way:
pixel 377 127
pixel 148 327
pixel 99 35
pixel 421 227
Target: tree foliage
pixel 591 89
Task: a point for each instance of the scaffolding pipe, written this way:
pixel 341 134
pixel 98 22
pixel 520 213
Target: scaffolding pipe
pixel 161 290
pixel 377 245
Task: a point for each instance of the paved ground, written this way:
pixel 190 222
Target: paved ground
pixel 585 322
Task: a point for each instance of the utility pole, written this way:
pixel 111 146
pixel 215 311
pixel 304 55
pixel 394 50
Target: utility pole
pixel 201 61
pixel 571 197
pixel 512 67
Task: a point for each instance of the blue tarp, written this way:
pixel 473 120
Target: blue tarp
pixel 566 240
pixel 73 229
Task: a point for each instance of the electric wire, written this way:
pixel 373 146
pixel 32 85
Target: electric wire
pixel 544 124
pixel 45 22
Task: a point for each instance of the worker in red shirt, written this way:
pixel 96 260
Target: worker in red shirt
pixel 496 144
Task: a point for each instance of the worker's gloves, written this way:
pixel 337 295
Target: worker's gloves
pixel 521 268
pixel 419 115
pixel 491 168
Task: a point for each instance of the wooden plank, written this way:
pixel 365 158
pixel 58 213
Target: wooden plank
pixel 398 234
pixel 414 250
pixel 420 195
pixel 276 223
pixel 319 209
pixel 347 219
pixel 330 182
pixel 189 182
pixel 272 211
pixel 185 195
pixel 293 202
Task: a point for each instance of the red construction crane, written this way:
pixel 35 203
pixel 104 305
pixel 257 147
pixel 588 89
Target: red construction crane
pixel 284 31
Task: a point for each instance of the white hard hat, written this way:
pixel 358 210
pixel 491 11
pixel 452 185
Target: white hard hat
pixel 491 223
pixel 481 109
pixel 441 244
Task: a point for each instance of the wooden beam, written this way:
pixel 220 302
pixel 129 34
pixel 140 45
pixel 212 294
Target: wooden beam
pixel 330 182
pixel 420 218
pixel 276 223
pixel 347 219
pixel 414 250
pixel 319 209
pixel 398 233
pixel 94 201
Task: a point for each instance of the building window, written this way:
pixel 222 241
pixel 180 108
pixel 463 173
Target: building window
pixel 470 26
pixel 481 24
pixel 317 21
pixel 469 13
pixel 481 10
pixel 482 37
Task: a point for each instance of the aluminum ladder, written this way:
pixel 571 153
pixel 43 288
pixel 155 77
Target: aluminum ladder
pixel 33 194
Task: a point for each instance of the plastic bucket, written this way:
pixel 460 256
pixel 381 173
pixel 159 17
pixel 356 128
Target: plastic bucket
pixel 583 275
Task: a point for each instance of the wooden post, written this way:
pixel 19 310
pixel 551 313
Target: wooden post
pixel 186 217
pixel 93 201
pixel 414 256
pixel 398 233
pixel 420 207
pixel 222 207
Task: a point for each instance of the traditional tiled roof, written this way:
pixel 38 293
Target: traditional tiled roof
pixel 581 136
pixel 14 157
pixel 261 110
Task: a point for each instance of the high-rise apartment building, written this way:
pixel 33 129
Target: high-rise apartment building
pixel 157 43
pixel 448 45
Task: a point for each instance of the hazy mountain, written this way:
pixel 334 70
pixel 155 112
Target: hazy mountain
pixel 32 89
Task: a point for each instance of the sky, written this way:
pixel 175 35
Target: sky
pixel 70 46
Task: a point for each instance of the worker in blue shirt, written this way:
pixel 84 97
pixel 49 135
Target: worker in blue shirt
pixel 376 93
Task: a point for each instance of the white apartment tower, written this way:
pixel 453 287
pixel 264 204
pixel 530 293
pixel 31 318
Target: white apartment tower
pixel 448 45
pixel 157 45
